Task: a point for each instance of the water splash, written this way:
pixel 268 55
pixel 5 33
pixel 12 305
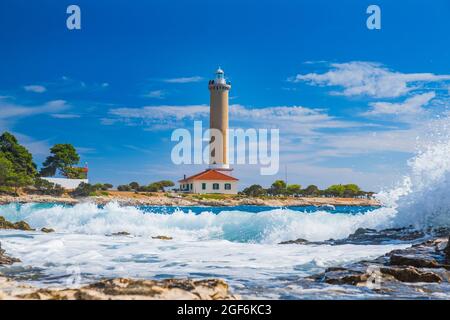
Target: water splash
pixel 270 226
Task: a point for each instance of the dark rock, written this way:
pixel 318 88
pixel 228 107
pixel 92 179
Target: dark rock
pixel 298 241
pixel 414 261
pixel 162 238
pixel 47 230
pixel 121 233
pixel 447 251
pixel 411 274
pixel 4 259
pixel 21 225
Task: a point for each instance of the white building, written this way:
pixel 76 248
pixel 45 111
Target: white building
pixel 68 184
pixel 209 181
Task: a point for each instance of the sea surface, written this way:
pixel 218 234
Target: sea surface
pixel 238 244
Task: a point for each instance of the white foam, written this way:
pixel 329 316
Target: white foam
pixel 270 226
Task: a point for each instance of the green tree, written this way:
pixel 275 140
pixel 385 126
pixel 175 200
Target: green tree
pixel 134 185
pixel 293 189
pixel 254 191
pixel 335 190
pixel 46 187
pixel 124 187
pixel 63 158
pixel 7 173
pixel 18 155
pixel 278 188
pixel 351 190
pixel 311 190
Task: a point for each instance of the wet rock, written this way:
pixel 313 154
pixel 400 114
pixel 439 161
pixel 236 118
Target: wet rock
pixel 297 241
pixel 121 233
pixel 365 236
pixel 128 289
pixel 162 238
pixel 47 230
pixel 414 261
pixel 4 259
pixel 411 274
pixel 447 251
pixel 21 225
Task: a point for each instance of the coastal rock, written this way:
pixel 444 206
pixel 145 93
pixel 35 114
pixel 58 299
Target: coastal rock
pixel 120 233
pixel 447 251
pixel 124 289
pixel 4 259
pixel 411 275
pixel 414 261
pixel 297 241
pixel 21 225
pixel 162 238
pixel 47 230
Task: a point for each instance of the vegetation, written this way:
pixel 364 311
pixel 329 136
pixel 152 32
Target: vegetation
pixel 16 164
pixel 63 158
pixel 280 188
pixel 159 186
pixel 48 188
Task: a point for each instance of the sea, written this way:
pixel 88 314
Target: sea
pixel 238 244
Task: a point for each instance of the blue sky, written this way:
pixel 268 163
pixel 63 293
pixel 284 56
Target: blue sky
pixel 350 102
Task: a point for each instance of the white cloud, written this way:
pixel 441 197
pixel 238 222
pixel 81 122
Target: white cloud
pixel 370 79
pixel 35 88
pixel 65 115
pixel 10 110
pixel 184 79
pixel 157 94
pixel 289 119
pixel 412 105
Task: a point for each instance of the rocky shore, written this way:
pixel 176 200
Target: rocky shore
pixel 137 199
pixel 421 271
pixel 116 289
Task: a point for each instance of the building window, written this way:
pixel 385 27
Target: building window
pixel 203 186
pixel 227 186
pixel 215 186
pixel 191 187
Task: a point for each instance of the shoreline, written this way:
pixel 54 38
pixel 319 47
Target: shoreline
pixel 134 199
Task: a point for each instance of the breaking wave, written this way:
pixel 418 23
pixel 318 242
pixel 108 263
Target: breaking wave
pixel 270 226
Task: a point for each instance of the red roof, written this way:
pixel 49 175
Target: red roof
pixel 210 174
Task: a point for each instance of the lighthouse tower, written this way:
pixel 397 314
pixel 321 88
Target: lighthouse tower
pixel 218 121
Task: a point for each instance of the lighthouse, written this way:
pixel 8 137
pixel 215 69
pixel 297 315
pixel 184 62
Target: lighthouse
pixel 217 178
pixel 218 121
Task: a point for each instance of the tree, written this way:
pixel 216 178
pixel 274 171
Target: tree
pixel 278 188
pixel 63 158
pixel 46 187
pixel 7 173
pixel 254 190
pixel 311 190
pixel 124 187
pixel 351 190
pixel 18 155
pixel 335 190
pixel 293 189
pixel 134 185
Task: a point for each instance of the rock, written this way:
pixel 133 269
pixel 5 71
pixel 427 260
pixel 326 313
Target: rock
pixel 411 274
pixel 414 261
pixel 162 238
pixel 298 241
pixel 120 233
pixel 4 259
pixel 447 251
pixel 21 225
pixel 47 230
pixel 126 289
